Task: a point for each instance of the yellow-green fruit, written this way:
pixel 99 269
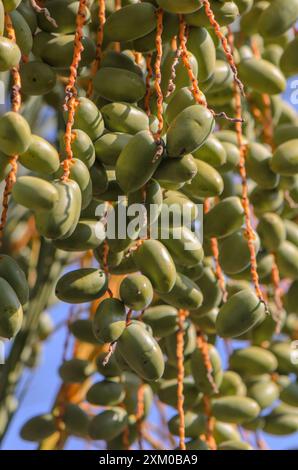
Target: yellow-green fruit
pixel 235 409
pixel 131 171
pixel 232 384
pixel 259 166
pixel 239 314
pixel 289 61
pixel 81 175
pixel 106 393
pixel 39 428
pixel 124 117
pixel 40 156
pixel 225 13
pixel 177 102
pixel 200 374
pixel 22 31
pixel 189 130
pixel 10 54
pixel 64 14
pixel 58 51
pixel 15 133
pixel 284 354
pixel 109 146
pixel 287 260
pixel 167 393
pixel 183 245
pixel 206 322
pixel 234 445
pixel 108 424
pixel 5 166
pixel 15 276
pixel 291 298
pixel 109 320
pixel 184 294
pixel 264 391
pixel 81 146
pixel 289 394
pixel 262 76
pixel 76 420
pixel 130 22
pixel 37 78
pixel 285 158
pixel 88 118
pixel 154 261
pixel 278 18
pixel 234 253
pixel 62 219
pixel 224 218
pixel 141 351
pixel 121 60
pixel 244 5
pixel 81 285
pixel 266 200
pixel 194 424
pixel 281 423
pixel 225 431
pixel 285 132
pixel 253 360
pixel 182 78
pixel 212 294
pixel 271 230
pixel 29 14
pixel 163 320
pixel 35 193
pixel 11 312
pixel 147 43
pixel 183 6
pixel 232 157
pixel 88 235
pixel 201 45
pixel 136 291
pixel 116 84
pixel 206 183
pixel 212 152
pixel 76 370
pixel 176 170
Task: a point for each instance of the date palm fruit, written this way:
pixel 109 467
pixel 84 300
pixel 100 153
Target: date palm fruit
pixel 235 409
pixel 124 117
pixel 15 276
pixel 29 14
pixel 287 259
pixel 38 428
pixel 163 319
pixel 189 130
pixel 35 193
pixel 111 369
pixel 23 33
pixel 76 421
pixel 40 156
pixel 259 166
pixel 11 312
pixel 288 61
pixel 178 170
pixel 109 146
pixel 88 235
pixel 206 183
pixel 283 352
pixel 285 158
pixel 154 261
pixel 184 294
pixel 117 84
pixel 272 231
pixel 210 289
pixel 170 343
pixel 147 42
pixel 277 18
pixel 224 218
pixel 81 285
pixel 199 372
pixel 131 171
pixel 201 45
pixel 10 54
pixel 75 370
pixel 234 253
pixel 82 147
pixel 109 320
pixel 136 291
pixel 253 360
pixel 141 351
pixel 15 133
pixel 62 219
pixel 232 384
pixel 80 174
pixel 289 394
pixel 183 245
pixel 212 152
pixel 106 393
pixel 5 166
pixel 64 13
pixel 83 331
pixel 291 297
pixel 194 424
pixel 282 420
pixel 131 22
pixel 88 118
pixel 239 314
pixel 224 432
pixel 37 78
pixel 108 424
pixel 262 76
pixel 234 445
pixel 182 78
pixel 263 390
pixel 232 157
pixel 167 393
pixel 225 13
pixel 57 51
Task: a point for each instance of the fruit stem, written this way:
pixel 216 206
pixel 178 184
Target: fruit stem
pixel 148 87
pixel 180 377
pixel 99 42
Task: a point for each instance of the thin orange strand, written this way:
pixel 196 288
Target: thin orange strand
pixel 277 295
pixel 204 350
pixel 198 95
pixel 245 200
pixel 15 106
pixel 140 413
pixel 215 253
pixel 148 87
pixel 226 47
pixel 118 6
pixel 157 82
pixel 171 85
pixel 180 377
pixel 99 43
pixel 210 423
pixel 70 102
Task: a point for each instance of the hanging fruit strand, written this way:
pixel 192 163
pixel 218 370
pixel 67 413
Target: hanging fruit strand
pixel 157 83
pixel 15 106
pixel 148 81
pixel 171 85
pixel 245 199
pixel 210 423
pixel 203 348
pixel 37 6
pixel 70 102
pixel 226 47
pixel 215 253
pixel 180 377
pixel 275 276
pixel 99 42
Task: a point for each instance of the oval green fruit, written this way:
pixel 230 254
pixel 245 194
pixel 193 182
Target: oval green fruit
pixel 224 218
pixel 262 76
pixel 15 133
pixel 11 312
pixel 10 54
pixel 39 428
pixel 88 235
pixel 75 370
pixel 285 158
pixel 163 319
pixel 109 320
pixel 235 409
pixel 81 285
pixel 184 294
pixel 40 156
pixel 253 360
pixel 136 291
pixel 201 375
pixel 109 146
pixel 115 84
pixel 206 183
pixel 130 22
pixel 108 424
pixel 15 276
pixel 124 117
pixel 106 393
pixel 35 193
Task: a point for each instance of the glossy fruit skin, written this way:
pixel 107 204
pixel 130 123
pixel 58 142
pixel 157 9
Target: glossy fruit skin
pixel 259 166
pixel 106 393
pixel 82 330
pixel 37 78
pixel 199 370
pixel 235 409
pixel 109 320
pixel 142 352
pixel 212 152
pixel 253 360
pixel 225 13
pixel 22 32
pixel 288 61
pixel 289 394
pixel 277 18
pixel 116 84
pixel 124 117
pixel 234 255
pixel 195 122
pixel 75 370
pixel 235 445
pixel 38 428
pixel 285 158
pixel 82 147
pixel 202 46
pixel 109 146
pixel 264 392
pixel 88 118
pixel 262 76
pixel 232 384
pixel 108 424
pixel 11 312
pixel 154 261
pixel 206 183
pixel 15 276
pixel 184 294
pixel 240 313
pixel 212 294
pixel 163 320
pixel 167 393
pixel 88 235
pixel 35 193
pixel 224 218
pixel 194 424
pixel 183 245
pixel 10 54
pixel 131 172
pixel 272 231
pixel 176 170
pixel 15 133
pixel 40 156
pixel 81 285
pixel 76 420
pixel 131 22
pixel 57 51
pixel 136 291
pixel 287 259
